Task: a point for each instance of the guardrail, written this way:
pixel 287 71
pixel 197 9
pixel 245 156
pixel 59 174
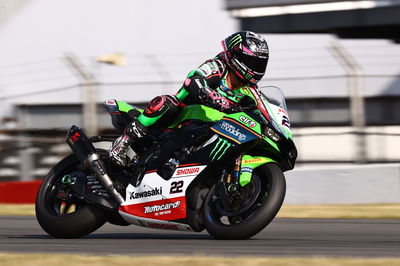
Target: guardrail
pixel 26 158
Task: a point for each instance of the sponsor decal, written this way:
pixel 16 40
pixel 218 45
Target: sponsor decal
pixel 258 160
pixel 247 170
pixel 280 110
pixel 164 210
pixel 235 40
pixel 247 121
pixel 176 187
pixel 111 102
pixel 163 226
pixel 248 76
pixel 112 107
pixel 206 69
pixel 188 171
pixel 198 83
pixel 75 137
pixel 255 161
pixel 233 130
pixel 67 179
pixel 220 148
pixel 162 207
pixel 145 194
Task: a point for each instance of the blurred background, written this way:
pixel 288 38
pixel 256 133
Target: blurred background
pixel 338 63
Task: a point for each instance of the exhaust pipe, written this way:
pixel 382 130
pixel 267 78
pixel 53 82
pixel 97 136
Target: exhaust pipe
pixel 87 154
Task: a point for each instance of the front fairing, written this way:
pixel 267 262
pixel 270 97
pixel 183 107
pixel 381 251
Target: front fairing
pixel 271 113
pixel 271 109
pixel 252 125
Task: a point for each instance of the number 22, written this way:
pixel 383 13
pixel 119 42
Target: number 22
pixel 176 187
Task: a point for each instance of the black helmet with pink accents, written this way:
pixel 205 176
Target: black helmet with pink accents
pixel 246 53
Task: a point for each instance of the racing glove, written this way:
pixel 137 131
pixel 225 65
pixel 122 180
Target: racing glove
pixel 217 101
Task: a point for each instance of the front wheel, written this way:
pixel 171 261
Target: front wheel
pixel 243 213
pixel 62 214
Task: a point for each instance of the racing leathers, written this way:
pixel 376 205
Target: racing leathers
pixel 210 84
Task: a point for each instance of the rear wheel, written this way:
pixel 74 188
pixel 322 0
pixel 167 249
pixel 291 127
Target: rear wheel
pixel 58 211
pixel 242 213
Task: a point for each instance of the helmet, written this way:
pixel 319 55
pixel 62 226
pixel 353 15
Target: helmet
pixel 246 53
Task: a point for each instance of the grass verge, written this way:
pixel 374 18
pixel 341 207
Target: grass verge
pixel 17 209
pixel 76 260
pixel 356 211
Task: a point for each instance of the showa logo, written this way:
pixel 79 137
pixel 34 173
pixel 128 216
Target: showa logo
pixel 233 130
pixel 188 171
pixel 162 207
pixel 247 121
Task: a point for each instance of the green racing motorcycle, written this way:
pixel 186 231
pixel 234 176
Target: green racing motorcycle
pixel 208 170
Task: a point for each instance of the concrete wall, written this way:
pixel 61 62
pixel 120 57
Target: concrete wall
pixel 318 144
pixel 349 184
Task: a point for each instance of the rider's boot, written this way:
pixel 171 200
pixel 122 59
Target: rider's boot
pixel 134 131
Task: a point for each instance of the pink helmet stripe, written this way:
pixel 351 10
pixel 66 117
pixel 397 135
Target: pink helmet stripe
pixel 247 50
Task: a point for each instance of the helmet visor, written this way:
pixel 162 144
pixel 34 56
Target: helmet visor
pixel 256 64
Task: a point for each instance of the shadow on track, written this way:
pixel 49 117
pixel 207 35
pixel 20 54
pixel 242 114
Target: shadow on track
pixel 138 236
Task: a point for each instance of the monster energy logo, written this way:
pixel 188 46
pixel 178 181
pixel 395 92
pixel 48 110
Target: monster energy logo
pixel 248 76
pixel 219 149
pixel 235 40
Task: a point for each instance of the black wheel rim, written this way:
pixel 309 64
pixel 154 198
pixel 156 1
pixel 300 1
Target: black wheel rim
pixel 59 197
pixel 258 191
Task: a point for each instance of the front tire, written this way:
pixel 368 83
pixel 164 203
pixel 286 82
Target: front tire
pixel 262 210
pixel 51 209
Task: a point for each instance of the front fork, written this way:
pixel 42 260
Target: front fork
pixel 243 170
pixel 232 178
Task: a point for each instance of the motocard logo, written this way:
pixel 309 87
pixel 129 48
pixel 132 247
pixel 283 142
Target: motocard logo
pixel 162 207
pixel 188 171
pixel 145 194
pixel 247 121
pixel 233 130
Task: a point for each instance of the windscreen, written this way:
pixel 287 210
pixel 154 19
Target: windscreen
pixel 274 95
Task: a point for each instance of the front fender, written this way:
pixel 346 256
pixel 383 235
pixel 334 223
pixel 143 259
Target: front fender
pixel 249 163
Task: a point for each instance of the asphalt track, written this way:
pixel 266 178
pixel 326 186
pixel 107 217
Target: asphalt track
pixel 283 237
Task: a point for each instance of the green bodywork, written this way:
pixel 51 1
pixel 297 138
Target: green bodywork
pixel 220 148
pixel 256 128
pixel 144 120
pixel 249 163
pixel 207 114
pixel 126 107
pixel 198 112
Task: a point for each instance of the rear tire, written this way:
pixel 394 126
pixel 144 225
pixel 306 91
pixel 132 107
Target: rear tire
pixel 83 221
pixel 258 216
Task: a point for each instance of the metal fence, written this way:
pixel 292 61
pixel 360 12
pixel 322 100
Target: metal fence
pixel 323 79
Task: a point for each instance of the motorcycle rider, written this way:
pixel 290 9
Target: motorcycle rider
pixel 217 83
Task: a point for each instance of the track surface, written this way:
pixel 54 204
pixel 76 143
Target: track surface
pixel 283 237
